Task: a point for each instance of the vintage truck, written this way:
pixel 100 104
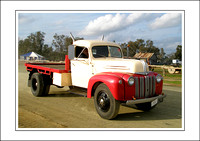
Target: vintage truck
pixel 100 69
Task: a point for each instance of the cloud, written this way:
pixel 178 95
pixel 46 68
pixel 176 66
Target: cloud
pixel 59 22
pixel 24 19
pixel 112 23
pixel 169 44
pixel 166 20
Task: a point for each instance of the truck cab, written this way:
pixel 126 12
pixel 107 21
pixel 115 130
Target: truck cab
pixel 101 57
pixel 99 67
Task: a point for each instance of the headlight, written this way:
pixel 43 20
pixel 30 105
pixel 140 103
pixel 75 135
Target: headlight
pixel 120 81
pixel 159 78
pixel 131 81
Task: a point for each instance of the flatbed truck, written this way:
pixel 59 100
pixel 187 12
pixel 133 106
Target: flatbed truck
pixel 100 69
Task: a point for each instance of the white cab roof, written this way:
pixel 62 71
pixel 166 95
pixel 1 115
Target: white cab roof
pixel 91 43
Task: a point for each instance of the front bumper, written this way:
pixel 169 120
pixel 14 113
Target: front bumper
pixel 132 103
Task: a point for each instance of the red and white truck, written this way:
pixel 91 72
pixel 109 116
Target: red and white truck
pixel 99 68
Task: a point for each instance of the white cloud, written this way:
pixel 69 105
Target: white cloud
pixel 169 44
pixel 173 45
pixel 59 22
pixel 111 23
pixel 25 19
pixel 167 20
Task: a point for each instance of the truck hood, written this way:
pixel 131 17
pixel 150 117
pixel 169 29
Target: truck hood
pixel 119 65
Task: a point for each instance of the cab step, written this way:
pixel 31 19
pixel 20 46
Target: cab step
pixel 78 91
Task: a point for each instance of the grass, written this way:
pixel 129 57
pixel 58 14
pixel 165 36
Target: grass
pixel 170 79
pixel 173 82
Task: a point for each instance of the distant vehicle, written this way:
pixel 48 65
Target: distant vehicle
pixel 99 68
pixel 176 63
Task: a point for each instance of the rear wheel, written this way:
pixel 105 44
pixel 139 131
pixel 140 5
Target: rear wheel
pixel 46 90
pixel 38 87
pixel 106 105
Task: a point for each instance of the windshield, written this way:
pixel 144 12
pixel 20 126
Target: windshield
pixel 106 51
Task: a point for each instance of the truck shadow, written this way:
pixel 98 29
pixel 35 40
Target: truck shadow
pixel 59 92
pixel 155 114
pixel 64 94
pixel 170 108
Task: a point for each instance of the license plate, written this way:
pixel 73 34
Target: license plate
pixel 154 102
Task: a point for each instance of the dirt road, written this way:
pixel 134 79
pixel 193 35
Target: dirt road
pixel 61 109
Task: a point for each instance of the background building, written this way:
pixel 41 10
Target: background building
pixel 31 56
pixel 150 58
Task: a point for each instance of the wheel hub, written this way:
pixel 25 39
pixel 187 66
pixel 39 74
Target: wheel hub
pixel 103 101
pixel 34 84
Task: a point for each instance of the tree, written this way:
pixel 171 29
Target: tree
pixel 124 48
pixel 151 48
pixel 136 46
pixel 23 46
pixel 149 43
pixel 37 41
pixel 168 59
pixel 34 42
pixel 132 48
pixel 140 46
pixel 161 56
pixel 61 43
pixel 47 52
pixel 178 54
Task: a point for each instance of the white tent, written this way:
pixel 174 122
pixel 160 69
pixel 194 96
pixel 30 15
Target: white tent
pixel 31 56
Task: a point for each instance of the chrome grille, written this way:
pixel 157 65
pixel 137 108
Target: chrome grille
pixel 141 86
pixel 145 86
pixel 137 87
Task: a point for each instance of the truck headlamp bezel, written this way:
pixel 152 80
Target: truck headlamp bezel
pixel 131 81
pixel 159 78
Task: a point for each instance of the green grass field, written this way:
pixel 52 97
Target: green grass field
pixel 170 79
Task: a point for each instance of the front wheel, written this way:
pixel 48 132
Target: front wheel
pixel 106 105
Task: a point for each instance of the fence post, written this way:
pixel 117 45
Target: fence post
pixel 163 71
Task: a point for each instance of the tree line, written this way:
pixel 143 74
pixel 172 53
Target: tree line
pixel 59 47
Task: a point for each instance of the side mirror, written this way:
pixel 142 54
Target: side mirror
pixel 71 52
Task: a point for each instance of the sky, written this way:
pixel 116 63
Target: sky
pixel 164 29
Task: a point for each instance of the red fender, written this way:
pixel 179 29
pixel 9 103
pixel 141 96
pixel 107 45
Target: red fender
pixel 114 82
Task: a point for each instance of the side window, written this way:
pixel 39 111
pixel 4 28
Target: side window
pixel 81 52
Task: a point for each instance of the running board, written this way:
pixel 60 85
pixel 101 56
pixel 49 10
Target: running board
pixel 78 91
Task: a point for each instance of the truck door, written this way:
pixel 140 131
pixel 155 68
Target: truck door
pixel 81 68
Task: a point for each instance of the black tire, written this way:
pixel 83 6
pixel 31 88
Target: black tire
pixel 46 90
pixel 106 105
pixel 47 83
pixel 38 87
pixel 145 106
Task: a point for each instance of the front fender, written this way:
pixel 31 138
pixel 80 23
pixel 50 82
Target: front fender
pixel 112 82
